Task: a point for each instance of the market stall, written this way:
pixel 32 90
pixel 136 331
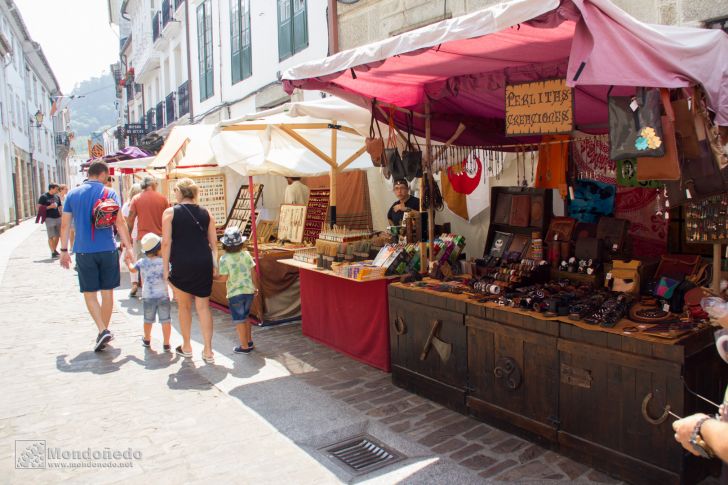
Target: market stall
pixel 580 318
pixel 308 139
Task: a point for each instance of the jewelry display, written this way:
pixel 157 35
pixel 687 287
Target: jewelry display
pixel 211 195
pixel 290 222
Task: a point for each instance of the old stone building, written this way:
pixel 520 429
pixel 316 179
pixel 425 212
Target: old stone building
pixel 366 21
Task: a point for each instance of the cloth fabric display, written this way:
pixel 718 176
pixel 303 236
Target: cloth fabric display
pixel 592 199
pixel 648 228
pixel 553 159
pixel 466 187
pixel 591 158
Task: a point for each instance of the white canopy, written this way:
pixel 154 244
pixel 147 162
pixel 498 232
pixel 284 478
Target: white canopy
pixel 187 146
pixel 295 139
pixel 133 163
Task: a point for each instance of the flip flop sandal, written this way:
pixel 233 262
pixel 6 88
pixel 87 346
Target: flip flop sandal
pixel 208 360
pixel 182 353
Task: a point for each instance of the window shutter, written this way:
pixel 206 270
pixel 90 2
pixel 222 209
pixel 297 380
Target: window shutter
pixel 285 37
pixel 201 47
pixel 300 26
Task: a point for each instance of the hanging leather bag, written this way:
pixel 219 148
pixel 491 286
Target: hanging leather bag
pixel 391 152
pixel 635 127
pixel 375 145
pixel 712 134
pixel 666 167
pixel 411 157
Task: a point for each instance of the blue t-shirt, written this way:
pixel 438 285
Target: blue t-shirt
pixel 152 270
pixel 80 203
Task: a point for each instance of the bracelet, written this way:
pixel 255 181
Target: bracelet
pixel 64 250
pixel 697 441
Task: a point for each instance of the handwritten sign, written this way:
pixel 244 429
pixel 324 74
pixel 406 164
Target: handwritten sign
pixel 537 108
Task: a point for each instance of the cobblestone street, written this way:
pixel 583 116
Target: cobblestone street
pixel 259 418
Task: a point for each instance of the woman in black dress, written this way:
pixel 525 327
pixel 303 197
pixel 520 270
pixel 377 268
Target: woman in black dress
pixel 189 252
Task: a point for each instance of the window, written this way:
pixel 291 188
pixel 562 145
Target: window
pixel 204 44
pixel 292 27
pixel 241 62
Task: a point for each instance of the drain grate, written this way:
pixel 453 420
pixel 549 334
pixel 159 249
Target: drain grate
pixel 362 454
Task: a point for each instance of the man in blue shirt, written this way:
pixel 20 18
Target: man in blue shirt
pixel 97 258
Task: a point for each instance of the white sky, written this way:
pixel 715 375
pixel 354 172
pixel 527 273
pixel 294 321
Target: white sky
pixel 75 36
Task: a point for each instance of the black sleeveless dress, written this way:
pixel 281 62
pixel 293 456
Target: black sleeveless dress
pixel 191 257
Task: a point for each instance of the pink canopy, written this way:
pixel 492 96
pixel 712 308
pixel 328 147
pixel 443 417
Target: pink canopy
pixel 463 64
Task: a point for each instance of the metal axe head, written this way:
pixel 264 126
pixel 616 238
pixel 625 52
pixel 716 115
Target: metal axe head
pixel 442 348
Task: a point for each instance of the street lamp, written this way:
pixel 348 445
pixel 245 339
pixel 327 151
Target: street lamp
pixel 37 122
pixel 38 116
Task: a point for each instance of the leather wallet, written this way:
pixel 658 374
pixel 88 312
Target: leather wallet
pixel 562 227
pixel 518 245
pixel 502 209
pixel 677 266
pixel 613 232
pixel 536 210
pixel 520 213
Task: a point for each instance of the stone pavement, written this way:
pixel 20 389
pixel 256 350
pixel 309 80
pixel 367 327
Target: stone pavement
pixel 260 417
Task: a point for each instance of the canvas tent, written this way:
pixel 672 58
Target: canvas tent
pixel 460 66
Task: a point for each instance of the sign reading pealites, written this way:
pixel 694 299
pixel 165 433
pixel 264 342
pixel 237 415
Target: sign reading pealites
pixel 539 108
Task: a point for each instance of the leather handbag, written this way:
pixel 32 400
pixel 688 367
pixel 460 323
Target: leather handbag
pixel 635 128
pixel 712 133
pixel 502 209
pixel 677 266
pixel 375 145
pixel 685 132
pixel 520 213
pixel 613 232
pixel 391 153
pixel 411 157
pixel 666 167
pixel 589 248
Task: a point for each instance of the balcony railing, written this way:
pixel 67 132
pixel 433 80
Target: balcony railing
pixel 169 107
pixel 167 13
pixel 150 120
pixel 129 91
pixel 156 26
pixel 183 99
pixel 63 139
pixel 178 3
pixel 160 115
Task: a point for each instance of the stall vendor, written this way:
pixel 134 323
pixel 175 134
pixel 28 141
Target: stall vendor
pixel 296 192
pixel 405 202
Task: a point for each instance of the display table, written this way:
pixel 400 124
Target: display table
pixel 347 315
pixel 279 299
pixel 597 394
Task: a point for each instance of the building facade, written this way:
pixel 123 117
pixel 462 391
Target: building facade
pixel 27 136
pixel 364 21
pixel 202 61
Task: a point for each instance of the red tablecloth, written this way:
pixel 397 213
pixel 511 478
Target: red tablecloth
pixel 349 316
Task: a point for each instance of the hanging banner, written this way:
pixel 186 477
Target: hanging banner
pixel 539 108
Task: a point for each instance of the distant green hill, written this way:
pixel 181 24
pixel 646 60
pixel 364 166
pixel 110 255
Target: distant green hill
pixel 95 110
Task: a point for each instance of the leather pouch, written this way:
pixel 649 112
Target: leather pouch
pixel 589 248
pixel 502 209
pixel 520 213
pixel 613 232
pixel 561 229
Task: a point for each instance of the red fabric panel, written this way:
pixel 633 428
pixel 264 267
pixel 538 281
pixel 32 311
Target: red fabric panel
pixel 348 316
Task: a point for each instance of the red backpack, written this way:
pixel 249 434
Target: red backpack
pixel 103 215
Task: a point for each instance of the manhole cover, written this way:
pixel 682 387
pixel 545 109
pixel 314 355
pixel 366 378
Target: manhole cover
pixel 362 454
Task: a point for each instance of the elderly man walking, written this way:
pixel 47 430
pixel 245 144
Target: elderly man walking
pixel 97 258
pixel 146 209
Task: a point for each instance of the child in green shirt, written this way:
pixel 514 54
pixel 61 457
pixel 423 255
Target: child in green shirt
pixel 236 269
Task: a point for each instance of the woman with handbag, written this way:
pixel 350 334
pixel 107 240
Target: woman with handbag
pixel 189 252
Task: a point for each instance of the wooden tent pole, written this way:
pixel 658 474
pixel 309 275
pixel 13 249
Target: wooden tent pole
pixel 717 255
pixel 253 228
pixel 430 179
pixel 334 172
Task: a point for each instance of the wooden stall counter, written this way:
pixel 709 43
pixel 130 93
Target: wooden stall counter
pixel 347 315
pixel 599 394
